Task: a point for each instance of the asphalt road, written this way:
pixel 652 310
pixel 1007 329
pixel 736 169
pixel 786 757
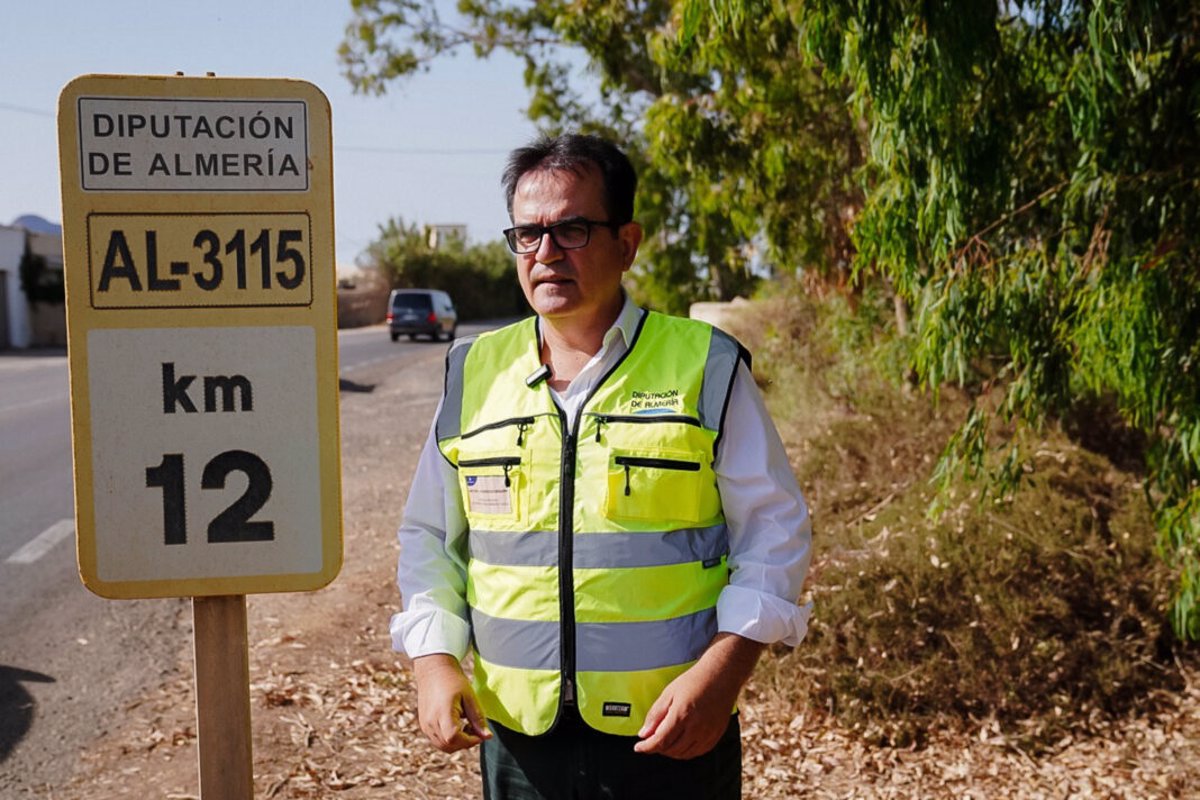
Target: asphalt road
pixel 64 653
pixel 71 661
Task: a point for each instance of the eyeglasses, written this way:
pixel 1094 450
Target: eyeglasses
pixel 570 234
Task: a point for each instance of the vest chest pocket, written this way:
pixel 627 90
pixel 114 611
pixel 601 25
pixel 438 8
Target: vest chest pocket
pixel 492 485
pixel 654 485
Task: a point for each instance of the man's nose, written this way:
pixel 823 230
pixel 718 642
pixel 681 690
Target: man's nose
pixel 548 250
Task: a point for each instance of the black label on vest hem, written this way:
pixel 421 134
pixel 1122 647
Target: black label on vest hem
pixel 708 563
pixel 617 709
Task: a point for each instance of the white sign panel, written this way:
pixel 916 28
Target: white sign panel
pixel 200 438
pixel 137 144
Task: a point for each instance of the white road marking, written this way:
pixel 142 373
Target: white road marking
pixel 42 543
pixel 365 330
pixel 25 363
pixel 32 404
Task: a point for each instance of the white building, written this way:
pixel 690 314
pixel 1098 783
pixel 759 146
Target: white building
pixel 22 323
pixel 439 234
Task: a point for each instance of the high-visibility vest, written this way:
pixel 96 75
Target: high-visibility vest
pixel 594 559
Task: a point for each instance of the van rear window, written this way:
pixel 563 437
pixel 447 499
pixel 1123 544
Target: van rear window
pixel 421 302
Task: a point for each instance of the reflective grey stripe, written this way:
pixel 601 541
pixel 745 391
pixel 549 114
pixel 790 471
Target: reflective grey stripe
pixel 600 550
pixel 516 643
pixel 719 370
pixel 633 646
pixel 449 422
pixel 532 549
pixel 600 646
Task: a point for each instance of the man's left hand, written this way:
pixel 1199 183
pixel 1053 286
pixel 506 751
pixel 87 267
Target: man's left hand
pixel 690 715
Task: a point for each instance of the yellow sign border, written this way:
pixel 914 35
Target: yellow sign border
pixel 321 314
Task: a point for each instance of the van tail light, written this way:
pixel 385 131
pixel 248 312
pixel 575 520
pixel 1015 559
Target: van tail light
pixel 432 318
pixel 390 316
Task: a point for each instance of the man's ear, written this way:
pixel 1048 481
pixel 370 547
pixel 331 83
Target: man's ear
pixel 631 239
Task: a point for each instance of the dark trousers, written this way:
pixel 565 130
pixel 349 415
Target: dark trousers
pixel 577 762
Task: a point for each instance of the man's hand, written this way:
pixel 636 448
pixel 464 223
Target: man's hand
pixel 690 715
pixel 449 713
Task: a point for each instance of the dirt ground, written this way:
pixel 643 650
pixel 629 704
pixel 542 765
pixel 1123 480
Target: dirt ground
pixel 334 710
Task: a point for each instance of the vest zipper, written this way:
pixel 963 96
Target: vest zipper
pixel 566 525
pixel 566 578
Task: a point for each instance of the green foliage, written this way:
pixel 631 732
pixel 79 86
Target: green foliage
pixel 1032 192
pixel 39 283
pixel 1023 173
pixel 764 147
pixel 746 155
pixel 480 278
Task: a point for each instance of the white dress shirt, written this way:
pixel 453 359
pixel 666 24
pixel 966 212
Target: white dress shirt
pixel 770 532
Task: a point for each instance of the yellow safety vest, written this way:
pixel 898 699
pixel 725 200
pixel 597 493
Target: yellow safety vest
pixel 595 559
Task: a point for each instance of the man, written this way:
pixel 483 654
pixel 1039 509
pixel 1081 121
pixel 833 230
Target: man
pixel 603 515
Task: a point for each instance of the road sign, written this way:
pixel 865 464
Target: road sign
pixel 201 309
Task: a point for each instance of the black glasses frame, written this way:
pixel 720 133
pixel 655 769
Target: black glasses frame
pixel 510 234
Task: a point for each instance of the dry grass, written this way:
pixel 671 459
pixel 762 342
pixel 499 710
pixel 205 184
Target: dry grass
pixel 1037 617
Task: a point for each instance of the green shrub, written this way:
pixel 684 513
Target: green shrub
pixel 40 283
pixel 479 277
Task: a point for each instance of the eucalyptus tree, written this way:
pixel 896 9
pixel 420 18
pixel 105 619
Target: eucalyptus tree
pixel 746 154
pixel 1031 185
pixel 1024 173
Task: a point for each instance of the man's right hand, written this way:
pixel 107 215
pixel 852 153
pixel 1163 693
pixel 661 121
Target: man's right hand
pixel 446 706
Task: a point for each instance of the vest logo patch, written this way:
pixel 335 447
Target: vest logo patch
pixel 709 563
pixel 611 709
pixel 656 402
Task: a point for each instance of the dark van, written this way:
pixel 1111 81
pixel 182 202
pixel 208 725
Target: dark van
pixel 428 312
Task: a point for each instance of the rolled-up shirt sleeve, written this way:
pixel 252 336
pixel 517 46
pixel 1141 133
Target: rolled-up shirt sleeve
pixel 432 571
pixel 770 531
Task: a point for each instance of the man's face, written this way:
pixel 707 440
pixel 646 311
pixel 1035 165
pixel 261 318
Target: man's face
pixel 584 283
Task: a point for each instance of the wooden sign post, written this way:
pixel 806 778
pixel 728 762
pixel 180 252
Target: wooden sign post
pixel 223 697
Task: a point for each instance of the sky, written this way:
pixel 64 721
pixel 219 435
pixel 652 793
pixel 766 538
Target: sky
pixel 429 151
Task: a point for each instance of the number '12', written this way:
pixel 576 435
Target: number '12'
pixel 231 525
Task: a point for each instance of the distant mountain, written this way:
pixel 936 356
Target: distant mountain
pixel 36 224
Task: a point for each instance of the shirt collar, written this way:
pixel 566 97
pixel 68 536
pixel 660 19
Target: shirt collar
pixel 626 324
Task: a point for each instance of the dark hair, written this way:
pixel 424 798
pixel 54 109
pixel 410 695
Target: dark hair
pixel 577 152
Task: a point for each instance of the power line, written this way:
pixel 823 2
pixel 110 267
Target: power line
pixel 26 110
pixel 422 151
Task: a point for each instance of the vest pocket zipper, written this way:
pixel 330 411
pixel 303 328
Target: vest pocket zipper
pixel 643 419
pixel 522 424
pixel 504 462
pixel 653 463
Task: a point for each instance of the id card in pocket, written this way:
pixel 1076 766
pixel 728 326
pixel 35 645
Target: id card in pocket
pixel 488 494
